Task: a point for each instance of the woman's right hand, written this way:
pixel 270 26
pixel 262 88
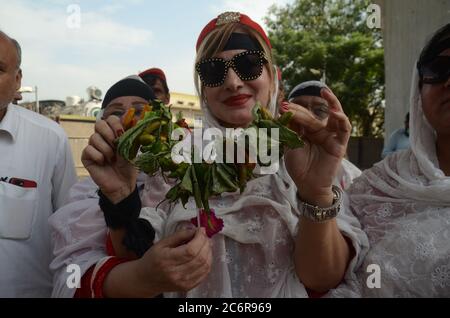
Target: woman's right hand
pixel 115 176
pixel 314 167
pixel 177 263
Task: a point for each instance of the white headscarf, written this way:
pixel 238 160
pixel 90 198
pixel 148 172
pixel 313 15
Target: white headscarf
pixel 417 169
pixel 423 137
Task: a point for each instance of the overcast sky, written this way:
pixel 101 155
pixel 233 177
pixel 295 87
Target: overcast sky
pixel 112 39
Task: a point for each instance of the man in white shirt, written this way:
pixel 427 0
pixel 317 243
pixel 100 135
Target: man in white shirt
pixel 36 173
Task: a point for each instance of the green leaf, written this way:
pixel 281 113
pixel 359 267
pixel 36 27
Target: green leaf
pixel 195 187
pixel 184 197
pixel 289 138
pixel 227 182
pixel 148 163
pixel 285 118
pixel 256 113
pixel 173 194
pixel 186 183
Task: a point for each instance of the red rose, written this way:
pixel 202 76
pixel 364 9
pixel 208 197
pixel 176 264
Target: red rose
pixel 209 221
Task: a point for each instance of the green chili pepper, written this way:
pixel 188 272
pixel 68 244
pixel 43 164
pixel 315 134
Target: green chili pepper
pixel 146 139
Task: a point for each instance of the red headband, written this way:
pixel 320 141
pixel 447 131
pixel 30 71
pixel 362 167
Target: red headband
pixel 232 17
pixel 154 71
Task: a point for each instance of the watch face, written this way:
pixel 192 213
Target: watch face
pixel 316 215
pixel 321 216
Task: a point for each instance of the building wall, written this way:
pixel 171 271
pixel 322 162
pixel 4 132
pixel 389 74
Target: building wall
pixel 79 130
pixel 189 105
pixel 406 25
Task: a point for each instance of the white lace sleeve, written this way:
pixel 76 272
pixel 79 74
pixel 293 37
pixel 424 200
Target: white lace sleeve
pixel 351 229
pixel 78 232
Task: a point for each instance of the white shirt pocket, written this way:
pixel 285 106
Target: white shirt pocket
pixel 17 208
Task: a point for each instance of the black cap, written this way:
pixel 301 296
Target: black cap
pixel 129 86
pixel 310 88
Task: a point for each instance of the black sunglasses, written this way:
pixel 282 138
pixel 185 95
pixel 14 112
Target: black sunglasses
pixel 247 65
pixel 435 71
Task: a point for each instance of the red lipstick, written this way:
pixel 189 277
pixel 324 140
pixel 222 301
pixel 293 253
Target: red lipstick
pixel 237 100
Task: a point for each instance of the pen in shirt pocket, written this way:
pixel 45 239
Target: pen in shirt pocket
pixel 23 183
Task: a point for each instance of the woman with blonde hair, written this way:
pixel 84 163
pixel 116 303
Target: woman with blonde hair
pixel 285 235
pixel 273 244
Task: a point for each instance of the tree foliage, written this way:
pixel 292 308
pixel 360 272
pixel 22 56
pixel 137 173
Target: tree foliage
pixel 330 40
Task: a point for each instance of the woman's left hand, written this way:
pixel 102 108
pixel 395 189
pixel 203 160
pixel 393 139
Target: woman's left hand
pixel 314 167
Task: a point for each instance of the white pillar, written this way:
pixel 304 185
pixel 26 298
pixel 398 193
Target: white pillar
pixel 406 25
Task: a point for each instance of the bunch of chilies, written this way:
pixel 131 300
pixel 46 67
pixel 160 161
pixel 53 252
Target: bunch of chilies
pixel 147 144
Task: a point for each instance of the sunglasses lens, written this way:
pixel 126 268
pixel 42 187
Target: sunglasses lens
pixel 249 66
pixel 437 70
pixel 211 72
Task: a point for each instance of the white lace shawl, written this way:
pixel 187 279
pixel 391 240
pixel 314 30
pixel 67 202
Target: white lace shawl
pixel 403 204
pixel 253 254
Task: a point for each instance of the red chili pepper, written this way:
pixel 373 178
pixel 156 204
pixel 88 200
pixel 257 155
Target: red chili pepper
pixel 147 108
pixel 127 120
